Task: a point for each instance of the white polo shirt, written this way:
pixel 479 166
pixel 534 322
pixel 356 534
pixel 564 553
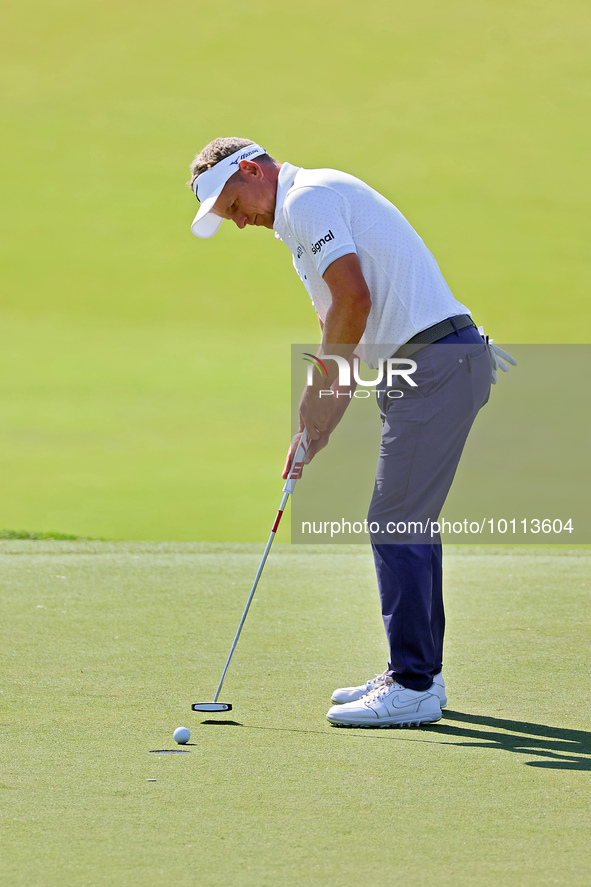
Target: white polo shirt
pixel 322 214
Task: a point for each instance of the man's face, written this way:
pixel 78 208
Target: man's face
pixel 248 197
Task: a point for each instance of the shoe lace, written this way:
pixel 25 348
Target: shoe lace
pixel 377 681
pixel 383 689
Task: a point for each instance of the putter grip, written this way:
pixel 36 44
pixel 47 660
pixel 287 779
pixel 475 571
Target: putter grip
pixel 297 462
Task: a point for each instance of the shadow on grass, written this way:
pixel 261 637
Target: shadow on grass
pixel 557 747
pixel 223 723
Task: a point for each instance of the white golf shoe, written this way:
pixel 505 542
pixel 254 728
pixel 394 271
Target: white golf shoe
pixel 351 694
pixel 388 705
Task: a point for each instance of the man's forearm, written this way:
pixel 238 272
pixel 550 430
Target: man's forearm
pixel 341 397
pixel 342 330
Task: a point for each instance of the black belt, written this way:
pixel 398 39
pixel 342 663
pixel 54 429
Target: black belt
pixel 435 333
pixel 442 329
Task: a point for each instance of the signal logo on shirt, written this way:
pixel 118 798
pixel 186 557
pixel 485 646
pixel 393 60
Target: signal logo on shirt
pixel 316 247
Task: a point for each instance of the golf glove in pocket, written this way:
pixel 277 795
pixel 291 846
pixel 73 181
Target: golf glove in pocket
pixel 499 360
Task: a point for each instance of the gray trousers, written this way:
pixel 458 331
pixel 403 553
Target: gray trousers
pixel 423 435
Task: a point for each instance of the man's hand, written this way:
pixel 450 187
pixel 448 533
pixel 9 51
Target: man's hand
pixel 314 448
pixel 316 412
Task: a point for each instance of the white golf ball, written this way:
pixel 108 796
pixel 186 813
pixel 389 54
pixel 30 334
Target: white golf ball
pixel 181 735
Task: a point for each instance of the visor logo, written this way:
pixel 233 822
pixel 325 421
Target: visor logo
pixel 244 156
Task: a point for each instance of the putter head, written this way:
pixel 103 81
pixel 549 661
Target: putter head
pixel 211 706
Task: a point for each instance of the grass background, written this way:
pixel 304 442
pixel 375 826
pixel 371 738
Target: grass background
pixel 143 371
pixel 144 395
pixel 105 645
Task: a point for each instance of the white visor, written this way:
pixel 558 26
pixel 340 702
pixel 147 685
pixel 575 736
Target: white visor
pixel 209 185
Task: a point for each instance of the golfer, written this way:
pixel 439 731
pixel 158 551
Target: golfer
pixel 378 292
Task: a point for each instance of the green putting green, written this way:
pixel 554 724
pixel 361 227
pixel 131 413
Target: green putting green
pixel 106 645
pixel 145 395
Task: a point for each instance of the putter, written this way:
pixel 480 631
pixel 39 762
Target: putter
pixel 294 473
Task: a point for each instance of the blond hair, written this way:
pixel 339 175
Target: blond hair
pixel 218 150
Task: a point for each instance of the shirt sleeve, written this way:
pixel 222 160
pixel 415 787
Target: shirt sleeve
pixel 320 221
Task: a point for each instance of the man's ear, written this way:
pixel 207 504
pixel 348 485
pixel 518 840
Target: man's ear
pixel 250 168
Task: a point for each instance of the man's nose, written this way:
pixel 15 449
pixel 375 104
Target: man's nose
pixel 241 220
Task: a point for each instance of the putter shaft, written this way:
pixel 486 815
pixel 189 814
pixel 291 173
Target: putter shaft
pixel 295 472
pixel 252 591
